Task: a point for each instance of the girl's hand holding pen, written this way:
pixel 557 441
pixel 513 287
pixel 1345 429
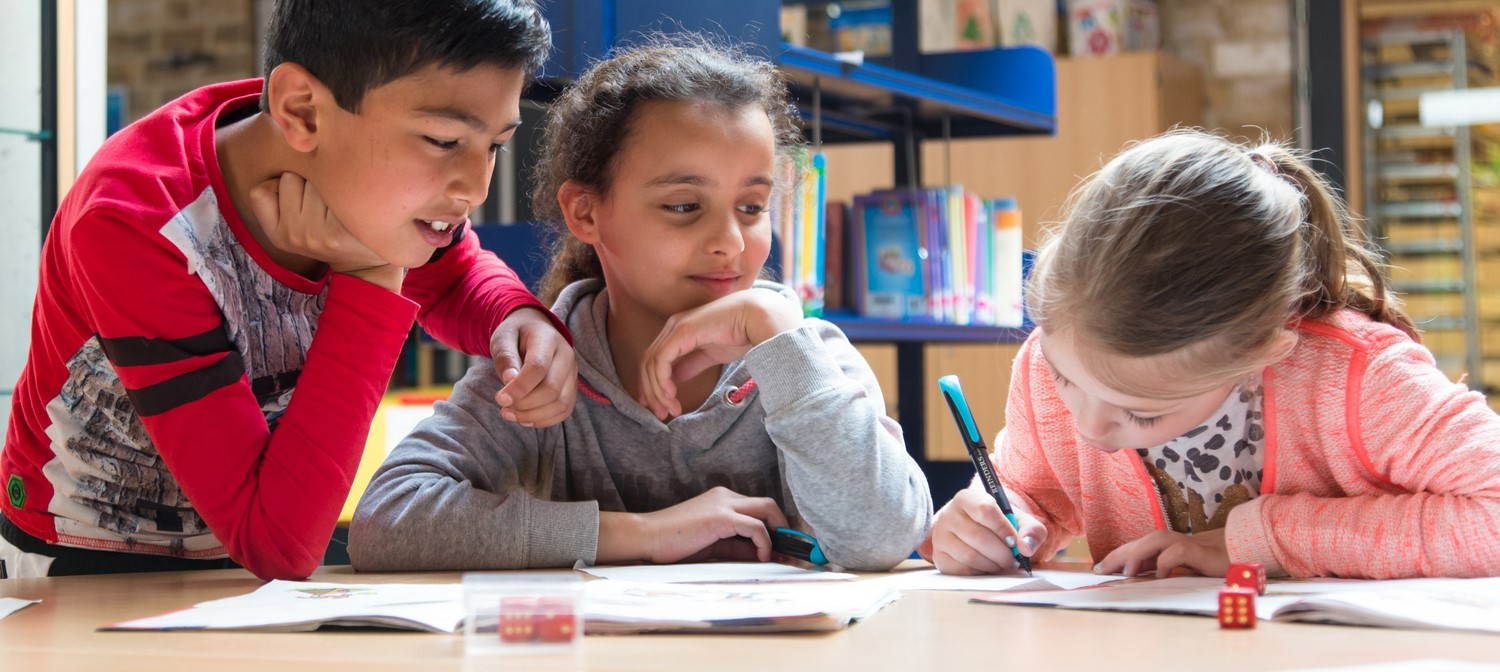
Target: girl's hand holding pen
pixel 971 536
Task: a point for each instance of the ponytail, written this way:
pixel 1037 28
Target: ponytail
pixel 1342 270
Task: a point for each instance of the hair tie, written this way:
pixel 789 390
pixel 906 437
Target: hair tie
pixel 1261 160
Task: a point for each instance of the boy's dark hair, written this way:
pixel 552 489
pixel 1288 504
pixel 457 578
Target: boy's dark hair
pixel 353 46
pixel 588 123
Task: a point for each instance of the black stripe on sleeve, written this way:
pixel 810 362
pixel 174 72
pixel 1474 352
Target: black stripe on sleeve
pixel 188 387
pixel 142 351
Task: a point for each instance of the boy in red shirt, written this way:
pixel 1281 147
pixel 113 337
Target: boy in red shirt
pixel 206 357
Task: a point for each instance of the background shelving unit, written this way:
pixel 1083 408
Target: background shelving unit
pixel 1432 199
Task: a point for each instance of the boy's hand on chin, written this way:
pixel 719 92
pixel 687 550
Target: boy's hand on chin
pixel 295 219
pixel 714 333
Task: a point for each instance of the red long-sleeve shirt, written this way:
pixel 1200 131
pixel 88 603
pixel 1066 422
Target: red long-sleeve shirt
pixel 186 396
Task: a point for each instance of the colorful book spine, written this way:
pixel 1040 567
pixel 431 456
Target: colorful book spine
pixel 888 225
pixel 1007 264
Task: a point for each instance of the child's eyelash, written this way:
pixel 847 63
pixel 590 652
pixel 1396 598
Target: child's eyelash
pixel 448 145
pixel 1135 419
pixel 1143 422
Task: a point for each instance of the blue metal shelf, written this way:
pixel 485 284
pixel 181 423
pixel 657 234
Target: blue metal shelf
pixel 1019 95
pixel 859 328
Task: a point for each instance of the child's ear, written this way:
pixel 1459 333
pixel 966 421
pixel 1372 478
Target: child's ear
pixel 578 209
pixel 1281 345
pixel 294 98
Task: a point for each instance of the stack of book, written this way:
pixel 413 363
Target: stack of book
pixel 942 254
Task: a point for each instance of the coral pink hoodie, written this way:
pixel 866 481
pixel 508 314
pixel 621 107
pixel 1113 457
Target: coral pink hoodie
pixel 1376 465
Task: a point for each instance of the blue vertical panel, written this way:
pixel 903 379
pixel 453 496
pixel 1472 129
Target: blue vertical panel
pixel 577 35
pixel 749 22
pixel 1023 76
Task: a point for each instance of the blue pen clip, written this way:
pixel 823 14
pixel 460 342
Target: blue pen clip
pixel 954 395
pixel 799 545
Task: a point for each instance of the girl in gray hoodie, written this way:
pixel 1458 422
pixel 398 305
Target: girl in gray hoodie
pixel 709 411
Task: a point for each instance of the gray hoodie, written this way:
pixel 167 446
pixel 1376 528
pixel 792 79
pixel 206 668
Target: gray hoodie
pixel 470 490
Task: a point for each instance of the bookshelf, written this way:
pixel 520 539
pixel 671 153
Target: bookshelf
pixel 1432 191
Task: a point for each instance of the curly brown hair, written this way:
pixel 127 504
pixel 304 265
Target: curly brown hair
pixel 588 124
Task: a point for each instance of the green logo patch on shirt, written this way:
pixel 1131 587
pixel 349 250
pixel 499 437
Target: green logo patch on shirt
pixel 16 488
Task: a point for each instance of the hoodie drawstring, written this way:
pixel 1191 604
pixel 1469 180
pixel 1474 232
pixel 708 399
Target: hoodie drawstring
pixel 735 396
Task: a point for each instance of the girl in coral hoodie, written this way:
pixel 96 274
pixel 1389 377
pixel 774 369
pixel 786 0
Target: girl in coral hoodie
pixel 1220 375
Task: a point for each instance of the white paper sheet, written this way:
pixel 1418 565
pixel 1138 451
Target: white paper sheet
pixel 1421 665
pixel 609 607
pixel 10 605
pixel 293 606
pixel 1458 604
pixel 1044 579
pixel 713 572
pixel 626 606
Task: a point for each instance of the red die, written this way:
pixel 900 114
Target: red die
pixel 1237 608
pixel 518 619
pixel 555 622
pixel 1246 575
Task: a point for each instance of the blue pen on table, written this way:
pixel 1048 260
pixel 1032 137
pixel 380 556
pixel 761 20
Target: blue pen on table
pixel 800 545
pixel 954 395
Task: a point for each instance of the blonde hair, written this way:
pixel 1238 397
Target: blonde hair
pixel 1192 245
pixel 586 127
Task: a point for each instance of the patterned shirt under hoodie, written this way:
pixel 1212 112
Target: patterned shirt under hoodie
pixel 1214 467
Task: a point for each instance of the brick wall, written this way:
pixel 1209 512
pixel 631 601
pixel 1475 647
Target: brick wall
pixel 1244 49
pixel 160 49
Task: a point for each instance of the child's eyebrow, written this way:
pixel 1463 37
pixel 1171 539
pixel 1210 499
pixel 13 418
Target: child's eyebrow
pixel 700 181
pixel 464 117
pixel 1137 411
pixel 680 178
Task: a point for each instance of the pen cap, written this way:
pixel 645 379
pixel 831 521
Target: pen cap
pixel 954 395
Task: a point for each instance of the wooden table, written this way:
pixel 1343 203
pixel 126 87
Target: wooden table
pixel 922 631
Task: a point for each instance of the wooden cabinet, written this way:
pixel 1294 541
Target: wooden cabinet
pixel 984 369
pixel 1102 105
pixel 882 360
